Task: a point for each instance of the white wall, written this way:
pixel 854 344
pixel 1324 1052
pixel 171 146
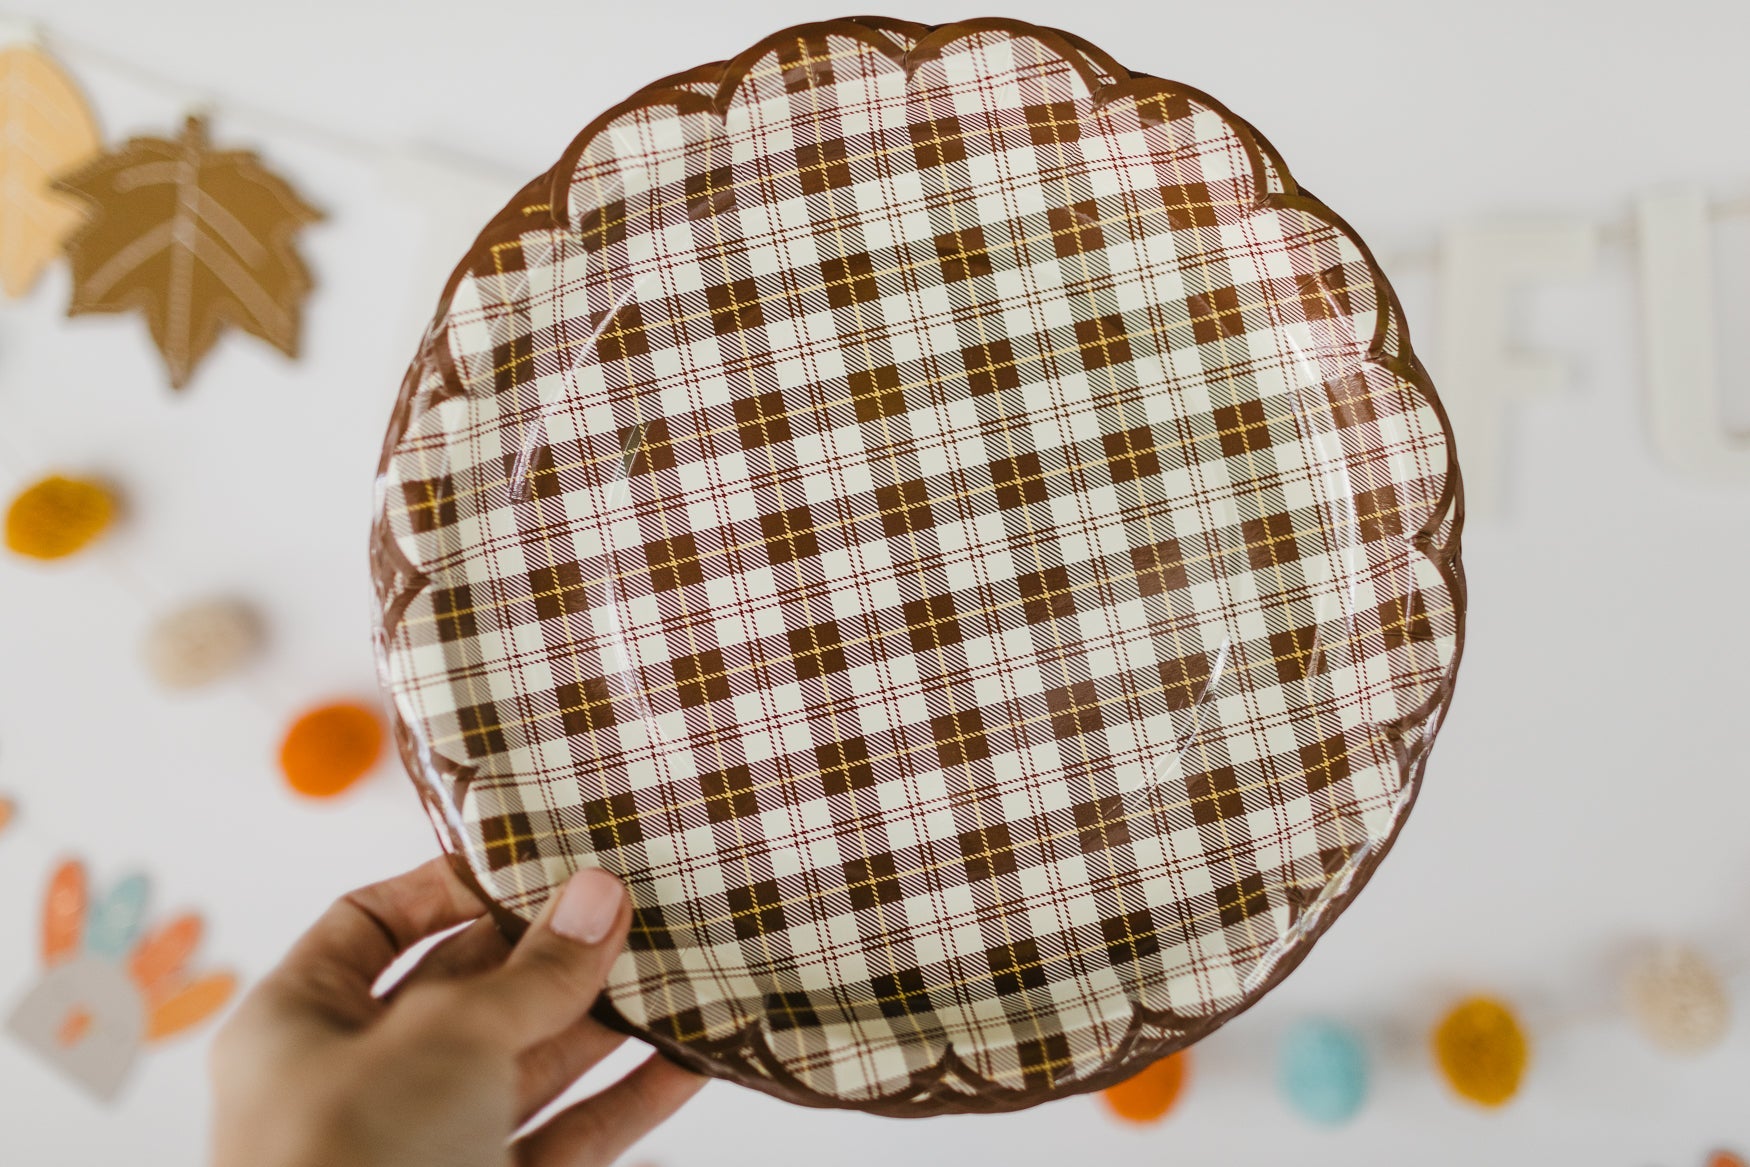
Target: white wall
pixel 1589 791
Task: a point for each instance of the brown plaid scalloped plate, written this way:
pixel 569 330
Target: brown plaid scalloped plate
pixel 951 524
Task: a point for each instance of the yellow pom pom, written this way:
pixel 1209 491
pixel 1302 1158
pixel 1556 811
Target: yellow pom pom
pixel 1481 1049
pixel 57 516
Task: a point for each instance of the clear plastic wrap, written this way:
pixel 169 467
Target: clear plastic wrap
pixel 955 528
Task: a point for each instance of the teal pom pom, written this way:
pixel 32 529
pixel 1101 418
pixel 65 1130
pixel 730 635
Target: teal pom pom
pixel 1324 1072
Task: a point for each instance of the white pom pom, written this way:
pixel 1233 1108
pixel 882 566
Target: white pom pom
pixel 1678 1000
pixel 201 643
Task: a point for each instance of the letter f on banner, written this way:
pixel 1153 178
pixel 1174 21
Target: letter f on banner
pixel 1480 373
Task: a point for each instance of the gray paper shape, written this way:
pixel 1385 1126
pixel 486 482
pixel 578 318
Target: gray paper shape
pixel 99 1060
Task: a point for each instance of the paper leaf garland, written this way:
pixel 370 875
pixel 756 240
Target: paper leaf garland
pixel 46 130
pixel 194 239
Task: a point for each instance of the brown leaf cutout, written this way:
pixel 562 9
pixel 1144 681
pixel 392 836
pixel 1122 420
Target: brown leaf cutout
pixel 46 129
pixel 194 238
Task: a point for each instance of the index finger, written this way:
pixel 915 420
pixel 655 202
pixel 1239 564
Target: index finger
pixel 336 963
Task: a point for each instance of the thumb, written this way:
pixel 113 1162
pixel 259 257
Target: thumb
pixel 556 971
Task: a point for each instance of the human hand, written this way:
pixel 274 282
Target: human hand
pixel 314 1070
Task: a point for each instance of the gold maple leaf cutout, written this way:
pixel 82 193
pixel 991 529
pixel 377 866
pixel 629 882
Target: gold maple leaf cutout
pixel 45 129
pixel 195 239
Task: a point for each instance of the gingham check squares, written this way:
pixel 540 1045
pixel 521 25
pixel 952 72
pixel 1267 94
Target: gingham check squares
pixel 931 520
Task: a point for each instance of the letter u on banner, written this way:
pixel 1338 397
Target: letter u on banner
pixel 1681 335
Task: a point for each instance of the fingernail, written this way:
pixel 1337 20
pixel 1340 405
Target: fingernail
pixel 589 903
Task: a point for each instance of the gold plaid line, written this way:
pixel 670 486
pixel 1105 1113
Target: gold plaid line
pixel 1243 429
pixel 981 978
pixel 1074 121
pixel 977 807
pixel 512 841
pixel 732 428
pixel 900 148
pixel 729 429
pixel 1027 516
pixel 681 318
pixel 984 980
pixel 710 707
pixel 430 506
pixel 1130 877
pixel 1190 919
pixel 894 961
pixel 1327 644
pixel 1277 563
pixel 852 641
pixel 777 71
pixel 575 638
pixel 1303 658
pixel 1276 886
pixel 1152 535
pixel 784 783
pixel 517 356
pixel 1218 314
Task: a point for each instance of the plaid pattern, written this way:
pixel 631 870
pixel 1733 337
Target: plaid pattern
pixel 945 540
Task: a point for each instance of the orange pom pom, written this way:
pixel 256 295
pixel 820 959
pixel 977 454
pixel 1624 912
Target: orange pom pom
pixel 1148 1096
pixel 57 516
pixel 330 748
pixel 1725 1159
pixel 1482 1051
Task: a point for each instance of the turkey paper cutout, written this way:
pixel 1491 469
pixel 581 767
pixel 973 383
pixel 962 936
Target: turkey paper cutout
pixel 108 987
pixel 46 130
pixel 193 238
